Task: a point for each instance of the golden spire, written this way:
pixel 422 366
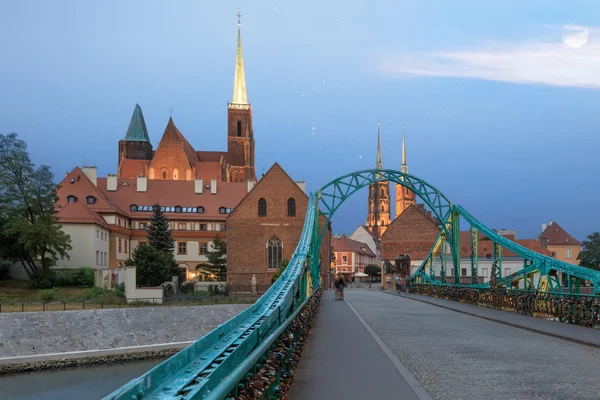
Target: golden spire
pixel 404 167
pixel 379 164
pixel 239 80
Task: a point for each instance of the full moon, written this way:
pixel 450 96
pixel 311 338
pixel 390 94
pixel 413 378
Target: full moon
pixel 575 36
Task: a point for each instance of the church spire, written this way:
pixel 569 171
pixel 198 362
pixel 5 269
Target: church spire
pixel 379 164
pixel 239 80
pixel 404 167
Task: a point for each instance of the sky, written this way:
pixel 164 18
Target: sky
pixel 501 98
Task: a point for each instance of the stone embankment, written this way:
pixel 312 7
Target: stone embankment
pixel 46 340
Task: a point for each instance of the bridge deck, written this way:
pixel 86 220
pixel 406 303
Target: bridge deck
pixel 342 360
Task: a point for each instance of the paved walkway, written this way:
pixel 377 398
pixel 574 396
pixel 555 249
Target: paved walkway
pixel 343 360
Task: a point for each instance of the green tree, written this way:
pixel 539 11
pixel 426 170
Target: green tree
pixel 217 257
pixel 159 234
pixel 590 252
pixel 152 266
pixel 281 269
pixel 372 270
pixel 29 233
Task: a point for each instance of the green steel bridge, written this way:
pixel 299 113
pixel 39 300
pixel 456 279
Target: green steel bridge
pixel 213 366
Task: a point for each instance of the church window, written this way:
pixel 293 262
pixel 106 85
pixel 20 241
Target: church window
pixel 239 128
pixel 164 175
pixel 222 210
pixel 71 199
pixel 177 208
pixel 291 207
pixel 262 207
pixel 133 207
pixel 274 253
pixel 200 210
pixel 91 199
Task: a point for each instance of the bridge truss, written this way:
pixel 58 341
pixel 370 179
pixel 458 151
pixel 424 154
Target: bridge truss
pixel 212 367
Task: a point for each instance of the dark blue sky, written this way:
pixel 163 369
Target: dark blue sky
pixel 500 98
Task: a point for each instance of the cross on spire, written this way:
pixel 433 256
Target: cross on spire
pixel 171 112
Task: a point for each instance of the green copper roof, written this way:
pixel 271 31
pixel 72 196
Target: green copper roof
pixel 137 127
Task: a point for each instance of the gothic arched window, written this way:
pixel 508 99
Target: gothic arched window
pixel 291 207
pixel 274 252
pixel 262 207
pixel 164 175
pixel 239 128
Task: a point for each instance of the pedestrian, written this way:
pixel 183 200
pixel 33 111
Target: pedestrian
pixel 341 284
pixel 336 286
pixel 401 284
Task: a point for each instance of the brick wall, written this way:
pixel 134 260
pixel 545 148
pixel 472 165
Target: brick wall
pixel 413 232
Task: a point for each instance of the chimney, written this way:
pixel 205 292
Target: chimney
pixel 91 173
pixel 198 186
pixel 543 227
pixel 251 185
pixel 142 183
pixel 213 186
pixel 551 222
pixel 301 185
pixel 111 183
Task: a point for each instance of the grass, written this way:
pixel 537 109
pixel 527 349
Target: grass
pixel 16 296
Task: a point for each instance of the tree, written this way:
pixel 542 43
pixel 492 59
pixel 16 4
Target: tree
pixel 152 266
pixel 29 233
pixel 281 269
pixel 159 234
pixel 217 257
pixel 590 252
pixel 372 270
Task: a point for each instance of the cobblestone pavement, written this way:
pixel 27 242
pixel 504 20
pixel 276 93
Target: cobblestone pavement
pixel 456 356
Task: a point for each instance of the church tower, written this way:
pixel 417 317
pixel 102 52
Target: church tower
pixel 136 145
pixel 404 196
pixel 240 137
pixel 379 199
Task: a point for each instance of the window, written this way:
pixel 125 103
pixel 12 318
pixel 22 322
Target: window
pixel 71 199
pixel 97 257
pixel 262 207
pixel 274 252
pixel 222 210
pixel 164 175
pixel 223 227
pixel 177 208
pixel 568 253
pixel 202 248
pixel 382 195
pixel 140 244
pixel 120 247
pixel 484 272
pixel 181 226
pixel 200 210
pixel 142 226
pixel 133 207
pixel 202 227
pixel 182 248
pixel 554 254
pixel 126 241
pixel 463 272
pixel 239 128
pixel 291 207
pixel 97 233
pixel 91 199
pixel 344 259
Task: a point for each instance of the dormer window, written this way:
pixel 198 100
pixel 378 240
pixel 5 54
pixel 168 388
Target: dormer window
pixel 200 210
pixel 177 208
pixel 133 207
pixel 222 210
pixel 71 199
pixel 72 180
pixel 91 199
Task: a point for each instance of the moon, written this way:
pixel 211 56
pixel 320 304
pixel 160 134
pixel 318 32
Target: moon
pixel 575 36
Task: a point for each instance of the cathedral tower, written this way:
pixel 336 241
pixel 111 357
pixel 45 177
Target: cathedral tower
pixel 404 196
pixel 379 199
pixel 240 137
pixel 136 145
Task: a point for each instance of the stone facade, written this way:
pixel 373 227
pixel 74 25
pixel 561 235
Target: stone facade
pixel 256 243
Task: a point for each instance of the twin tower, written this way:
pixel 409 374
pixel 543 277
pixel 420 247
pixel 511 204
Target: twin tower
pixel 379 195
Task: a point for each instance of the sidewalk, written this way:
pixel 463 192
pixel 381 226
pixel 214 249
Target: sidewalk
pixel 342 360
pixel 570 332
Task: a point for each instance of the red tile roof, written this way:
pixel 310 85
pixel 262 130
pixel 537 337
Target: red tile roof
pixel 73 213
pixel 207 170
pixel 134 168
pixel 346 244
pixel 557 236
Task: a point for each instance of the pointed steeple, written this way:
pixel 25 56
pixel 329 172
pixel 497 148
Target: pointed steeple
pixel 137 127
pixel 404 167
pixel 239 80
pixel 379 164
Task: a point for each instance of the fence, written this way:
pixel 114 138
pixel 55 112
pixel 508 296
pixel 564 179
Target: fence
pixel 219 294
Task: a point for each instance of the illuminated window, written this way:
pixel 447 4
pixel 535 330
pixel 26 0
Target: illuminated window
pixel 182 227
pixel 164 175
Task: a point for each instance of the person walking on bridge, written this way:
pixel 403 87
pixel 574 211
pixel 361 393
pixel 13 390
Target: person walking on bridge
pixel 336 286
pixel 340 285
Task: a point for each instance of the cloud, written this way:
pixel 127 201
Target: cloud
pixel 539 62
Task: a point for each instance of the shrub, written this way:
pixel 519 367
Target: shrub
pixel 168 290
pixel 43 281
pixel 216 290
pixel 120 289
pixel 4 271
pixel 47 295
pixel 187 287
pixel 82 277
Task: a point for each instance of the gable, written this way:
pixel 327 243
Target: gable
pixel 557 236
pixel 77 184
pixel 411 225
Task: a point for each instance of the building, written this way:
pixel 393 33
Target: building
pixel 265 228
pixel 559 243
pixel 378 218
pixel 363 234
pixel 176 159
pixel 352 256
pixel 404 196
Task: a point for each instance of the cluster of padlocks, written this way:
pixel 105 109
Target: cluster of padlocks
pixel 581 310
pixel 272 375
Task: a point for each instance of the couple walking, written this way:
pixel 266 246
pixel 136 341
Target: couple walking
pixel 339 287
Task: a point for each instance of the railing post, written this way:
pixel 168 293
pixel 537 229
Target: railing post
pixel 22 307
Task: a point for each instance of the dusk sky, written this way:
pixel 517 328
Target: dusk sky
pixel 501 99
